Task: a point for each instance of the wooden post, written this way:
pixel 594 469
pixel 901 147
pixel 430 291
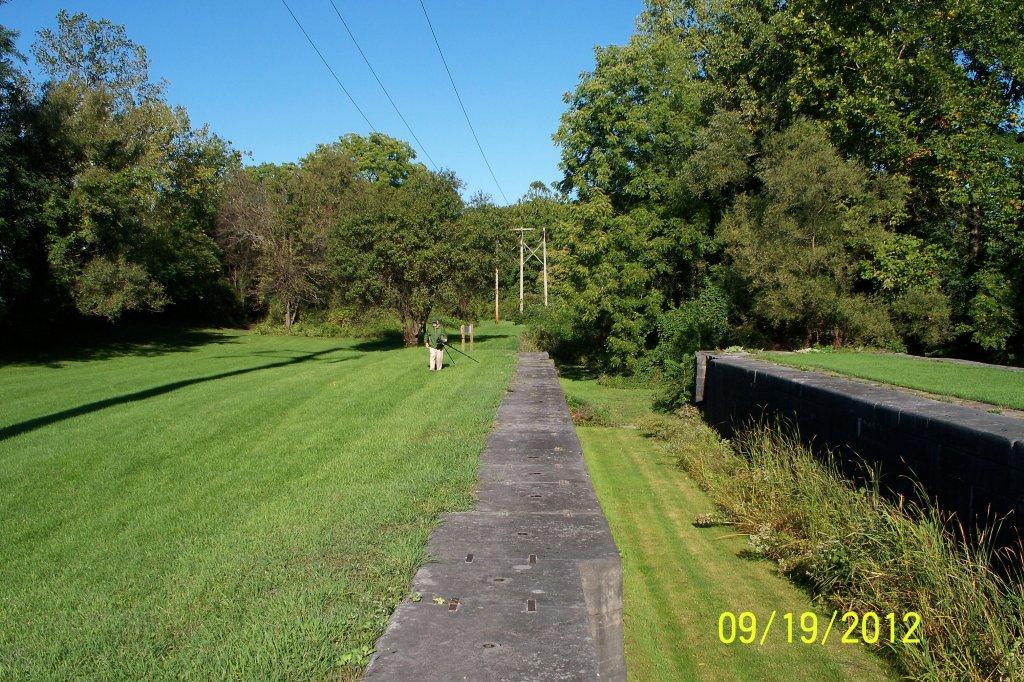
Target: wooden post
pixel 462 333
pixel 545 252
pixel 472 344
pixel 521 263
pixel 497 318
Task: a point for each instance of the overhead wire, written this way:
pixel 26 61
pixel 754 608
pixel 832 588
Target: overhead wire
pixel 381 84
pixel 320 54
pixel 461 104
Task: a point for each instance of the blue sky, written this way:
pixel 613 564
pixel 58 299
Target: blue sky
pixel 245 68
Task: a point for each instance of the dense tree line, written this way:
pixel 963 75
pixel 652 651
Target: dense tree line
pixel 359 225
pixel 742 171
pixel 113 206
pixel 108 192
pixel 790 173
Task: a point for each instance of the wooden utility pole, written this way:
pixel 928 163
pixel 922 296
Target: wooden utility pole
pixel 525 253
pixel 544 248
pixel 520 273
pixel 497 318
pixel 522 259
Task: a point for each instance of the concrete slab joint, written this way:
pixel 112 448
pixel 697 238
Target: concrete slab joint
pixel 528 584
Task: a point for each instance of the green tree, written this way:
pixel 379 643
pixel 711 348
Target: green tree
pixel 379 157
pixel 396 246
pixel 483 245
pixel 137 186
pixel 992 310
pixel 95 54
pixel 907 272
pixel 794 245
pixel 602 281
pixel 927 93
pixel 108 288
pixel 700 323
pixel 19 247
pixel 274 225
pixel 134 186
pixel 925 97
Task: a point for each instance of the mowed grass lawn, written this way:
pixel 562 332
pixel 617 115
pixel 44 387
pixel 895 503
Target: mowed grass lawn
pixel 986 384
pixel 219 504
pixel 678 579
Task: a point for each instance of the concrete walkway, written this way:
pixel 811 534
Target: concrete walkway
pixel 530 579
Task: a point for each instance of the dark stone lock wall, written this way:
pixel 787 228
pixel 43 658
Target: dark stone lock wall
pixel 970 461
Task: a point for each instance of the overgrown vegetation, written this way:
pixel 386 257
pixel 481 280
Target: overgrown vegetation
pixel 858 551
pixel 339 321
pixel 584 413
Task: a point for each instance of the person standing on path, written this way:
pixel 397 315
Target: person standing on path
pixel 434 338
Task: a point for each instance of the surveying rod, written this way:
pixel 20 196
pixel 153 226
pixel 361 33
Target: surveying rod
pixel 461 353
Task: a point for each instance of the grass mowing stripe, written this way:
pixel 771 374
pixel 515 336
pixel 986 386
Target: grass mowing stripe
pixel 625 519
pixel 717 580
pixel 659 537
pixel 640 631
pixel 650 505
pixel 258 525
pixel 769 592
pixel 679 548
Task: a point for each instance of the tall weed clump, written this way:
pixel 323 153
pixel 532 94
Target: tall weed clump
pixel 857 550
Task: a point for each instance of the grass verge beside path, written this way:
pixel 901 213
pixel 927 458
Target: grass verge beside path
pixel 224 504
pixel 679 578
pixel 986 384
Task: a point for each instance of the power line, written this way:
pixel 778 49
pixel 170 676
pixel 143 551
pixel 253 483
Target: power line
pixel 459 97
pixel 319 54
pixel 381 84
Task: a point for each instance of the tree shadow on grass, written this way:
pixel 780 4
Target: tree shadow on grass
pixel 104 344
pixel 577 372
pixel 481 337
pixel 489 341
pixel 389 340
pixel 88 408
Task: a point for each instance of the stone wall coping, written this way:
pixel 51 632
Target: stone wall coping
pixel 935 412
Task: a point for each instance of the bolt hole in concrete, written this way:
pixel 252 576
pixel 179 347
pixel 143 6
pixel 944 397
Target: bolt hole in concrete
pixel 488 645
pixel 499 580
